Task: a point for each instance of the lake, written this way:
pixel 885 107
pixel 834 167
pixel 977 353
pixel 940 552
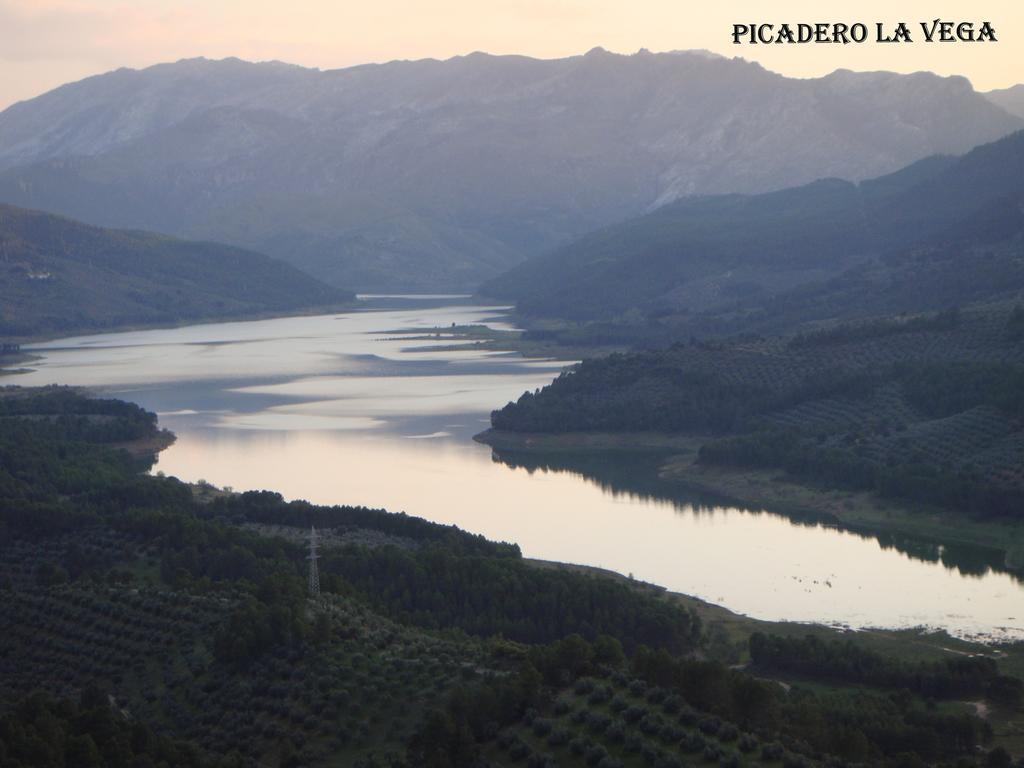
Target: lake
pixel 356 408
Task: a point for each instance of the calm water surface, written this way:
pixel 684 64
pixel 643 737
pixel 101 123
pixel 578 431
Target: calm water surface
pixel 347 409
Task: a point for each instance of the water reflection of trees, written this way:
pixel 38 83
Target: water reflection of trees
pixel 634 475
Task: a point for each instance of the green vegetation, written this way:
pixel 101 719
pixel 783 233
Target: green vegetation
pixel 41 732
pixel 661 711
pixel 58 276
pixel 853 332
pixel 145 624
pixel 502 596
pixel 963 453
pixel 926 409
pixel 960 677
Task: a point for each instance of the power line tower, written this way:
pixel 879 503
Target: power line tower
pixel 314 571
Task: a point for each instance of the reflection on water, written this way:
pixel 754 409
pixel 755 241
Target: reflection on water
pixel 636 475
pixel 341 409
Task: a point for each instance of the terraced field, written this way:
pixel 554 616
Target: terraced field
pixel 616 720
pixel 360 692
pixel 929 407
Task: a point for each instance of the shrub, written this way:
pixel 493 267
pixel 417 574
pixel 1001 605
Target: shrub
pixel 600 695
pixel 687 716
pixel 656 695
pixel 595 753
pixel 650 725
pixel 599 721
pixel 541 727
pixel 693 743
pixel 709 725
pixel 616 731
pixel 583 686
pixel 519 749
pixel 672 704
pixel 558 737
pixel 712 752
pixel 634 713
pixel 772 751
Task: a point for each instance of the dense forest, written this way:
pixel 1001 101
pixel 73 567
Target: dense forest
pixel 928 408
pixel 147 623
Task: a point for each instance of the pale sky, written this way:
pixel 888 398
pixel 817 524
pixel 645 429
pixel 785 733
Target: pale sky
pixel 45 43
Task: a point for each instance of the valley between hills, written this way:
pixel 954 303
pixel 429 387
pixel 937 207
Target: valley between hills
pixel 731 298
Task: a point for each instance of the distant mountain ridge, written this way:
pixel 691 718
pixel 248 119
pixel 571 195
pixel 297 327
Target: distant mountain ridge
pixel 61 276
pixel 1011 99
pixel 830 248
pixel 416 175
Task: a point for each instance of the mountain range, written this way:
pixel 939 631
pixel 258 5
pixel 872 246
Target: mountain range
pixel 942 231
pixel 420 175
pixel 1011 99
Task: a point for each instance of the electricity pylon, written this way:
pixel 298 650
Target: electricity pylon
pixel 314 571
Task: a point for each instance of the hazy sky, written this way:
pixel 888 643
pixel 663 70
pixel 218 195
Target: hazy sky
pixel 44 43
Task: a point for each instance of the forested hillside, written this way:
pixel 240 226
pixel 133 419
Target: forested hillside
pixel 59 276
pixel 927 408
pixel 147 622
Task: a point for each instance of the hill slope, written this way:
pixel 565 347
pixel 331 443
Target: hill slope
pixel 725 260
pixel 59 275
pixel 147 622
pixel 926 408
pixel 439 174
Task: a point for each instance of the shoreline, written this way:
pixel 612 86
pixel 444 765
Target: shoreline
pixel 674 462
pixel 727 631
pixel 672 456
pixel 148 446
pixel 858 511
pixel 327 309
pixel 19 358
pixel 481 336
